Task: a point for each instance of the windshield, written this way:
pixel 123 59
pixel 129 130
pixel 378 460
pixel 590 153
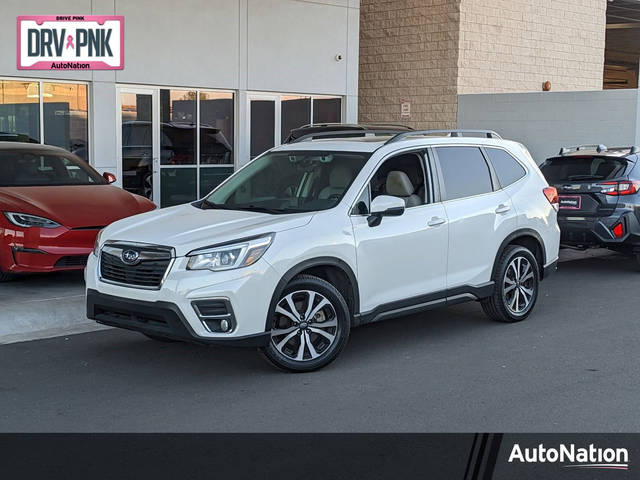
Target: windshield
pixel 288 182
pixel 25 168
pixel 568 169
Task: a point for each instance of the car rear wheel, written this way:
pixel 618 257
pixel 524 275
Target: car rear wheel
pixel 310 325
pixel 516 278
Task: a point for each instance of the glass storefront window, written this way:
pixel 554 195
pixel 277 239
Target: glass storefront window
pixel 137 143
pixel 274 116
pixel 296 112
pixel 211 177
pixel 216 128
pixel 327 110
pixel 19 111
pixel 178 185
pixel 65 117
pixel 177 127
pixel 262 126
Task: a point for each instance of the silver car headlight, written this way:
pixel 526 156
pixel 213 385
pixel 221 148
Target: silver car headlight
pixel 228 257
pixel 26 220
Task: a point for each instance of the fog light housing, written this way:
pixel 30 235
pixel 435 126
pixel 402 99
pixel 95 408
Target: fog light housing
pixel 216 315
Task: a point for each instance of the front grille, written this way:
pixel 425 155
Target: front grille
pixel 72 261
pixel 147 272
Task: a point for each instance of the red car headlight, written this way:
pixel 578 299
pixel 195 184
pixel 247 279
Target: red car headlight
pixel 26 220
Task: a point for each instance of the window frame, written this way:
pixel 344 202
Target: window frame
pixel 40 81
pixel 427 172
pixel 488 158
pixel 495 184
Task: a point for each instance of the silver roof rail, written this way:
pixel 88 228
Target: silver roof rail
pixel 345 133
pixel 598 148
pixel 450 133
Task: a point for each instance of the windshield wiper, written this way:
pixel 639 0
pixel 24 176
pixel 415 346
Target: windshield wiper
pixel 206 205
pixel 274 211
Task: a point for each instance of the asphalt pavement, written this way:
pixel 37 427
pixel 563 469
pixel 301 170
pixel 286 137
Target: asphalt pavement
pixel 571 367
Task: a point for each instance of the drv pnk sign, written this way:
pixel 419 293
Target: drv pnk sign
pixel 70 42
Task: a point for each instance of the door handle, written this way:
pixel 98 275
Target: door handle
pixel 435 221
pixel 502 208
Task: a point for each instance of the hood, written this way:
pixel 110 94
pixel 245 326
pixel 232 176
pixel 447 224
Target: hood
pixel 187 228
pixel 74 206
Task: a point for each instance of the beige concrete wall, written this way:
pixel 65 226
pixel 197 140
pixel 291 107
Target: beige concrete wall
pixel 516 45
pixel 409 51
pixel 429 51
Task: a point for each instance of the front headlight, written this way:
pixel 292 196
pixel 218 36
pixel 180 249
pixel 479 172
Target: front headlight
pixel 25 220
pixel 96 245
pixel 228 257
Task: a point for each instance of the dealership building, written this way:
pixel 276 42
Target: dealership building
pixel 208 85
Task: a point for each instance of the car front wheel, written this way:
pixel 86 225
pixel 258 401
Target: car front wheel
pixel 310 325
pixel 516 278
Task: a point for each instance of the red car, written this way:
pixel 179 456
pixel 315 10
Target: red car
pixel 52 206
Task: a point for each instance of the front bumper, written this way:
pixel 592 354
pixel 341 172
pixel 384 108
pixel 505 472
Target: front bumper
pixel 247 291
pixel 44 250
pixel 157 318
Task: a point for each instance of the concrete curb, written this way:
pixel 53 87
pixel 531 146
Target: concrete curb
pixel 43 318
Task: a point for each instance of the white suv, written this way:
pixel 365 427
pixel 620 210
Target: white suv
pixel 315 237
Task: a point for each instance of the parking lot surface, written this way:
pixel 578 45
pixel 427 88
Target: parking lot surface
pixel 572 366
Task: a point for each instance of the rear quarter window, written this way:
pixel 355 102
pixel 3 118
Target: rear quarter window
pixel 507 168
pixel 465 172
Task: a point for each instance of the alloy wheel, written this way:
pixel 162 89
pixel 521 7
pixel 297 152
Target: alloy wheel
pixel 519 286
pixel 305 327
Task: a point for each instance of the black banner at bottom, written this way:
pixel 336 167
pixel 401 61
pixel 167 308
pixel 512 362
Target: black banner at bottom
pixel 320 456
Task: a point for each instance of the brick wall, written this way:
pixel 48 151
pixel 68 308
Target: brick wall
pixel 409 51
pixel 427 52
pixel 516 45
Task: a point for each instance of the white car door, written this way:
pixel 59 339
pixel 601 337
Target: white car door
pixel 479 217
pixel 404 257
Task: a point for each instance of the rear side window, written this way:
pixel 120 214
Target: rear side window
pixel 507 168
pixel 575 169
pixel 464 171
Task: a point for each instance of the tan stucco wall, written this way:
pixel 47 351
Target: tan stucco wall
pixel 429 51
pixel 517 45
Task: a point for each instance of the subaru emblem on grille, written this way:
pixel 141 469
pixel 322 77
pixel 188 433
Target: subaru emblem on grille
pixel 130 257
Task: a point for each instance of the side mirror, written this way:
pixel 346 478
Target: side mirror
pixel 109 177
pixel 385 206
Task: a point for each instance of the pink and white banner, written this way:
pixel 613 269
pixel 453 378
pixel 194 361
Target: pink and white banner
pixel 70 42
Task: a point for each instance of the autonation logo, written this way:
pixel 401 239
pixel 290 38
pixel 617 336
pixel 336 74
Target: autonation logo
pixel 573 457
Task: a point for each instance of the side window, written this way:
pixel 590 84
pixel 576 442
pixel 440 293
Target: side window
pixel 507 168
pixel 465 172
pixel 401 176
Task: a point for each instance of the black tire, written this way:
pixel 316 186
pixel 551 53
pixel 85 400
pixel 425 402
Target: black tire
pixel 160 338
pixel 497 306
pixel 637 257
pixel 336 312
